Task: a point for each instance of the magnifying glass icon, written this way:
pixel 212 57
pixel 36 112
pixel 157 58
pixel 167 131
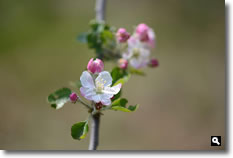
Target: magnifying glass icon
pixel 215 140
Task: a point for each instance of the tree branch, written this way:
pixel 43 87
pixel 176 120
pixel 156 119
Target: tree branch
pixel 94 136
pixel 100 10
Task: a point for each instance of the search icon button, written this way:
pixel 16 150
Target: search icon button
pixel 215 140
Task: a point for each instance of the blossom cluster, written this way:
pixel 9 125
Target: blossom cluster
pixel 103 89
pixel 137 52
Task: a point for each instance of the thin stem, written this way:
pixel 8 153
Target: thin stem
pixel 85 104
pixel 105 108
pixel 94 136
pixel 100 10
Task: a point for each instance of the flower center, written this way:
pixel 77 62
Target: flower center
pixel 100 85
pixel 136 52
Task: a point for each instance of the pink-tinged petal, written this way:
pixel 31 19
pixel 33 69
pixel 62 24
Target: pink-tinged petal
pixel 106 102
pixel 106 98
pixel 138 63
pixel 144 53
pixel 87 93
pixel 87 80
pixel 127 55
pixel 104 78
pixel 151 43
pixel 135 63
pixel 132 41
pixel 151 36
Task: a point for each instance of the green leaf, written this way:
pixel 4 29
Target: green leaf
pixel 137 72
pixel 133 108
pixel 79 130
pixel 94 25
pixel 92 40
pixel 119 108
pixel 107 27
pixel 120 102
pixel 122 80
pixel 106 36
pixel 129 109
pixel 82 37
pixel 117 74
pixel 59 98
pixel 120 105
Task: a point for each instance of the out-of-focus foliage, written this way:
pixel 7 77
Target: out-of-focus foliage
pixel 101 38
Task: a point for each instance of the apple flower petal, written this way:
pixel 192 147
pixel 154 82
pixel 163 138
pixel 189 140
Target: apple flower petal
pixel 104 78
pixel 87 80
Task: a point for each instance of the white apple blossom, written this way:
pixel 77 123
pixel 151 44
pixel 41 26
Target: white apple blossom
pixel 138 54
pixel 99 89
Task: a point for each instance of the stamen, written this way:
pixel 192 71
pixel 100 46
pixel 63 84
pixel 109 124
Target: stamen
pixel 100 85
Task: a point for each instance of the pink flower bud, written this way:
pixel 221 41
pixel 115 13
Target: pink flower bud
pixel 154 63
pixel 73 97
pixel 123 63
pixel 95 66
pixel 122 35
pixel 142 32
pixel 146 34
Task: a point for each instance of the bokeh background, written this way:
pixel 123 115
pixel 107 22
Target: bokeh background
pixel 182 103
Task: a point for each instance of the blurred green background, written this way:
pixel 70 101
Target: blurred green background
pixel 182 103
